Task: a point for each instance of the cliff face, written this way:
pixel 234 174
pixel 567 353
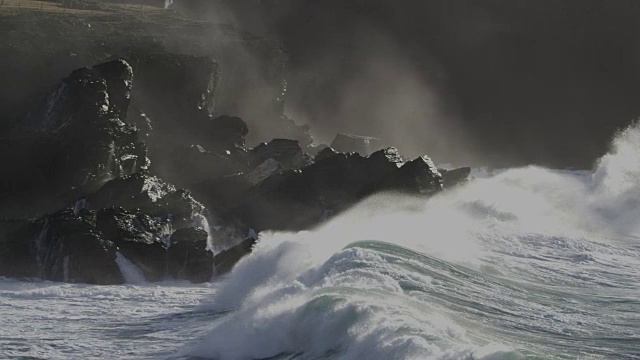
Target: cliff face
pixel 40 47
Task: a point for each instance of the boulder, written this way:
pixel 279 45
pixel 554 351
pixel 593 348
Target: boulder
pixel 149 195
pixel 300 199
pixel 420 176
pixel 61 247
pixel 137 237
pixel 72 143
pixel 188 257
pixel 226 260
pixel 83 247
pixel 324 153
pixel 452 178
pixel 223 132
pixel 363 145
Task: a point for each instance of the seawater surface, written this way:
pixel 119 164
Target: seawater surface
pixel 530 263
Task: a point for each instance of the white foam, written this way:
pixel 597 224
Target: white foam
pixel 131 273
pixel 313 293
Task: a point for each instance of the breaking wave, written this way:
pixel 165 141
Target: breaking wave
pixel 528 263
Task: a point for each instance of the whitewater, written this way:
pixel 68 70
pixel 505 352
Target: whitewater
pixel 527 263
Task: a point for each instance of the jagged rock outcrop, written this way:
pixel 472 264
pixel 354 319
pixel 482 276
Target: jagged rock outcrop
pixel 60 247
pixel 420 176
pixel 226 260
pixel 83 247
pixel 299 199
pixel 188 257
pixel 72 143
pixel 138 237
pixel 324 153
pixel 149 195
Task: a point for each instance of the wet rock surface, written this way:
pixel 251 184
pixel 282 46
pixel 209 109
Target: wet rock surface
pixel 72 143
pixel 80 151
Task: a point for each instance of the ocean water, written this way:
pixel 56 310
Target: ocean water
pixel 529 263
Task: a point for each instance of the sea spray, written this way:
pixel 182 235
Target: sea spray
pixel 523 263
pixel 130 272
pixel 201 221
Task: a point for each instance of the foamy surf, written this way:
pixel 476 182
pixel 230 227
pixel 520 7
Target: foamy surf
pixel 526 263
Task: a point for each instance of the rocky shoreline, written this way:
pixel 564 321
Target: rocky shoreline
pixel 86 186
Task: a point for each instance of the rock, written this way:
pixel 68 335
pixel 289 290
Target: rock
pixel 138 238
pixel 175 89
pixel 268 168
pixel 388 155
pixel 149 195
pixel 226 260
pixel 118 75
pixel 286 152
pixel 175 93
pixel 452 178
pixel 188 257
pixel 189 165
pixel 224 132
pixel 16 255
pixel 300 199
pixel 73 142
pixel 420 176
pixel 62 247
pixel 324 153
pixel 362 145
pixel 83 247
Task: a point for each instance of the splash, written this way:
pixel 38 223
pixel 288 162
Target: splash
pixel 494 269
pixel 131 273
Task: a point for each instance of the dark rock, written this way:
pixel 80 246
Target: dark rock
pixel 451 178
pixel 16 256
pixel 286 152
pixel 362 145
pixel 420 176
pixel 224 132
pixel 83 246
pixel 175 93
pixel 72 143
pixel 325 153
pixel 149 195
pixel 266 169
pixel 190 165
pixel 388 155
pixel 226 260
pixel 188 257
pixel 61 247
pixel 118 75
pixel 300 199
pixel 138 238
pixel 173 88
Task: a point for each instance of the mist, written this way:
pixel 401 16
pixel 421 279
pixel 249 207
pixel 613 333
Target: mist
pixel 496 83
